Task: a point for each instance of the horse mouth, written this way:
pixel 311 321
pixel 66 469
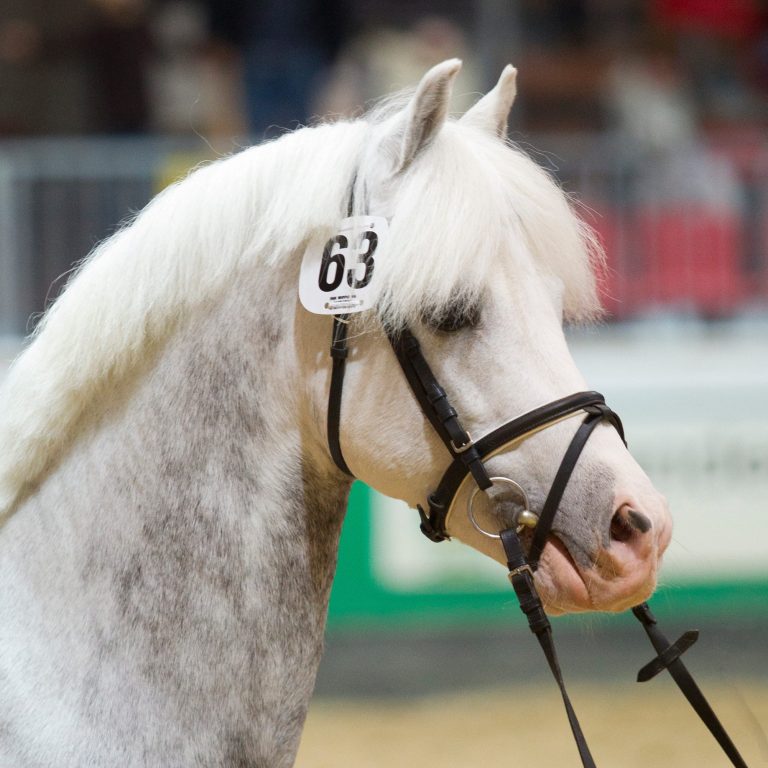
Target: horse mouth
pixel 565 587
pixel 560 583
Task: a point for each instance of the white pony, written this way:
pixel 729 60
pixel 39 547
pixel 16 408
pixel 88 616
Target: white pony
pixel 170 511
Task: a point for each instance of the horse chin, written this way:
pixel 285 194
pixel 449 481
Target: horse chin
pixel 559 581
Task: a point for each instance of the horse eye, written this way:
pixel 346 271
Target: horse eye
pixel 455 319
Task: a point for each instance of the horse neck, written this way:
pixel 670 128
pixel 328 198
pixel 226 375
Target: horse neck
pixel 199 534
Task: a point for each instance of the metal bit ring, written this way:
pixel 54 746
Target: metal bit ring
pixel 525 519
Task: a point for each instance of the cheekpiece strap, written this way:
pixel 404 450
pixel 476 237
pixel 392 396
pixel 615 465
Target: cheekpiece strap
pixel 437 407
pixel 339 353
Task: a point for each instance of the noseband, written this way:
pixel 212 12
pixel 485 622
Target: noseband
pixel 467 458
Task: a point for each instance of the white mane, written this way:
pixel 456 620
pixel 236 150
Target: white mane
pixel 456 207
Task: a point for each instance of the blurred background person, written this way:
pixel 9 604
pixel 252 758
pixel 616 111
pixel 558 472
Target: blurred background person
pixel 282 53
pixel 386 58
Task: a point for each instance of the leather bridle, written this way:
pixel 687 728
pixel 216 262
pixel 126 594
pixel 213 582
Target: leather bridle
pixel 467 459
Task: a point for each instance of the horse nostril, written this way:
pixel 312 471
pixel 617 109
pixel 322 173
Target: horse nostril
pixel 621 530
pixel 639 521
pixel 626 521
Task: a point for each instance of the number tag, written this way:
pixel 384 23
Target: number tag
pixel 339 276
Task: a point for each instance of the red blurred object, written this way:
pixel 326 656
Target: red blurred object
pixel 736 19
pixel 693 257
pixel 615 283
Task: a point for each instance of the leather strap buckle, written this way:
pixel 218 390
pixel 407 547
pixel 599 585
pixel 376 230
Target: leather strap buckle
pixel 428 526
pixel 520 569
pixel 465 447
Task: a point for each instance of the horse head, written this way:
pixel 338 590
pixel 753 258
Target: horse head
pixel 484 262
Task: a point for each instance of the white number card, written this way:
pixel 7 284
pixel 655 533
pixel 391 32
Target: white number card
pixel 339 276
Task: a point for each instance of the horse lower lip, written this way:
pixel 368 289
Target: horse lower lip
pixel 553 540
pixel 561 585
pixel 526 536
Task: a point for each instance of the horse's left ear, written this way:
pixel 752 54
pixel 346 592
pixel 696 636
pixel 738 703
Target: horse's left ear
pixel 426 112
pixel 491 112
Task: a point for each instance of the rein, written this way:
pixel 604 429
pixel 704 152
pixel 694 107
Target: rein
pixel 467 459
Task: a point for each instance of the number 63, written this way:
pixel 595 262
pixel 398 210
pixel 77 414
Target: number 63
pixel 330 279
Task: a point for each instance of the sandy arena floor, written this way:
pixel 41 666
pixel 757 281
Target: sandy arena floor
pixel 627 726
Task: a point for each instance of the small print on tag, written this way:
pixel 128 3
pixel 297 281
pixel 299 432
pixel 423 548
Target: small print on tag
pixel 338 276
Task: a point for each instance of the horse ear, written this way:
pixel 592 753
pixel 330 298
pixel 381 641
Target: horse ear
pixel 427 111
pixel 491 112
